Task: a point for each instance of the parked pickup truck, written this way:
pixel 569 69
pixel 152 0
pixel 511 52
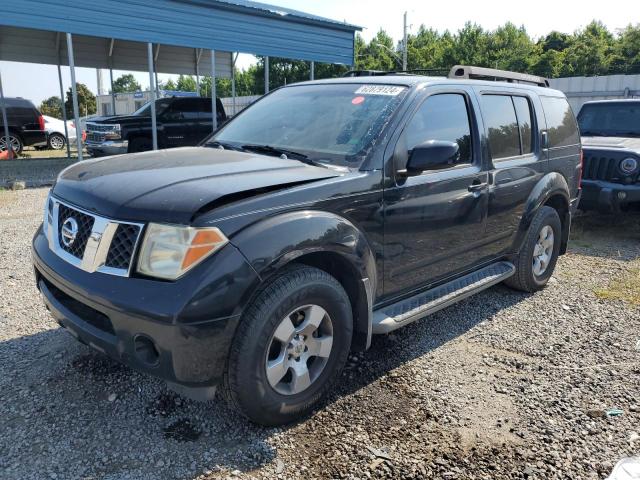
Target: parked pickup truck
pixel 611 139
pixel 324 213
pixel 181 121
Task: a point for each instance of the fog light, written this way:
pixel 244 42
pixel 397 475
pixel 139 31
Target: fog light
pixel 622 195
pixel 146 350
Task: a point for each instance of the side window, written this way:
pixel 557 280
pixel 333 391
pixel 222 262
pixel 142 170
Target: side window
pixel 442 117
pixel 561 124
pixel 184 109
pixel 523 112
pixel 502 126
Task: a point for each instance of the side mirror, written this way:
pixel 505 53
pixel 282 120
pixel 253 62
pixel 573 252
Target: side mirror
pixel 433 155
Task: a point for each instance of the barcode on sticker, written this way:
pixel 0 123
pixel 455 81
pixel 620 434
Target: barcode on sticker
pixel 379 90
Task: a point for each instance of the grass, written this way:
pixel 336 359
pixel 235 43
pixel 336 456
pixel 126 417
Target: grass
pixel 626 288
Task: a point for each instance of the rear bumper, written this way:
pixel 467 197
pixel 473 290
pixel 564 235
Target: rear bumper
pixel 102 149
pixel 172 330
pixel 607 197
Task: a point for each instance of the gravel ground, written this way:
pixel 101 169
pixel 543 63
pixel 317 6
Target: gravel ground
pixel 502 385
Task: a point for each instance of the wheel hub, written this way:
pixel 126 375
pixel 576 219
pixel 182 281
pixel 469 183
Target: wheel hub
pixel 299 349
pixel 543 251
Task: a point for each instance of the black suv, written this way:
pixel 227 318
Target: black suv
pixel 611 138
pixel 26 125
pixel 181 122
pixel 324 213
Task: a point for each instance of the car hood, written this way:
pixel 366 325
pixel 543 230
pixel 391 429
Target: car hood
pixel 117 119
pixel 174 186
pixel 618 143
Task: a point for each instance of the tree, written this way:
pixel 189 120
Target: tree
pixel 168 85
pixel 126 83
pixel 186 83
pixel 52 107
pixel 86 101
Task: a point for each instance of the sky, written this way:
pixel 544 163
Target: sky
pixel 37 82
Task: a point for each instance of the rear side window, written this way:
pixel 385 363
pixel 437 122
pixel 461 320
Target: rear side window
pixel 523 112
pixel 561 124
pixel 502 126
pixel 442 117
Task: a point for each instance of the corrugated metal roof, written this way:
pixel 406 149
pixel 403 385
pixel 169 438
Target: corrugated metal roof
pixel 226 25
pixel 281 11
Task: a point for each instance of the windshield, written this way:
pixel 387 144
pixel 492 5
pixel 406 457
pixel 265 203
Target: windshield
pixel 331 123
pixel 610 119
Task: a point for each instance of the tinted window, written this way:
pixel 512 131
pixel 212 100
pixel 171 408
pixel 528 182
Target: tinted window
pixel 501 124
pixel 442 117
pixel 561 124
pixel 523 112
pixel 184 109
pixel 205 107
pixel 610 119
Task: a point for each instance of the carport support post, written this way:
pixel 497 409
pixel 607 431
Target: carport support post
pixel 266 75
pixel 152 91
pixel 64 112
pixel 4 120
pixel 313 71
pixel 74 93
pixel 113 94
pixel 214 103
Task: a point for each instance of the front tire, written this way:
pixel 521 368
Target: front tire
pixel 290 346
pixel 539 252
pixel 140 144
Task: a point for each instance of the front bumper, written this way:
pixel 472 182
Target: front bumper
pixel 179 331
pixel 109 147
pixel 607 197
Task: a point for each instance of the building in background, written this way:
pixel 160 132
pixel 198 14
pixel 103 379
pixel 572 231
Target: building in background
pixel 584 89
pixel 127 103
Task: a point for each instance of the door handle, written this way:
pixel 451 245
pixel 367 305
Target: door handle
pixel 476 187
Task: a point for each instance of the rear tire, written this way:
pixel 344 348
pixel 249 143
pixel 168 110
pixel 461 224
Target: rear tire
pixel 57 141
pixel 276 340
pixel 539 252
pixel 140 144
pixel 15 140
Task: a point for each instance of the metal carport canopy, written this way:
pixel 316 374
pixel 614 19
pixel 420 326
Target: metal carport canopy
pixel 226 25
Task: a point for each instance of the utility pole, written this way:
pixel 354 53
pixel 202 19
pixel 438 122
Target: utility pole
pixel 404 44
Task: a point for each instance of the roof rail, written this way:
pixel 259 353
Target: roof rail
pixel 364 73
pixel 482 73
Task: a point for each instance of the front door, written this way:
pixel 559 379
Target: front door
pixel 434 220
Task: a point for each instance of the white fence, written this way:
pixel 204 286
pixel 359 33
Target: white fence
pixel 584 89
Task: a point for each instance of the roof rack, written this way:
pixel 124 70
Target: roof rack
pixel 482 73
pixel 378 73
pixel 364 73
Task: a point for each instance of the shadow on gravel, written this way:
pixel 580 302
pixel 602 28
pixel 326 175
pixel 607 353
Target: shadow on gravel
pixel 606 235
pixel 75 413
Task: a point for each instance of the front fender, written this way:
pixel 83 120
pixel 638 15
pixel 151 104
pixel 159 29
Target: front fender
pixel 551 185
pixel 272 243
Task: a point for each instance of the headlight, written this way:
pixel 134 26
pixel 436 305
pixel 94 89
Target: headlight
pixel 169 251
pixel 115 134
pixel 629 165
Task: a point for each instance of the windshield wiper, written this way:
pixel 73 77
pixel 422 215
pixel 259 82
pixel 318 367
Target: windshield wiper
pixel 268 149
pixel 223 145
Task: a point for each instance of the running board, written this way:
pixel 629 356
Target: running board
pixel 406 311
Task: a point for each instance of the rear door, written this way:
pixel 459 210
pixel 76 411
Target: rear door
pixel 205 124
pixel 180 122
pixel 434 220
pixel 514 127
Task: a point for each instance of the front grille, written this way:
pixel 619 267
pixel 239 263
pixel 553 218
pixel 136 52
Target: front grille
pixel 112 243
pixel 122 246
pixel 100 127
pixel 85 224
pixel 600 168
pixel 95 137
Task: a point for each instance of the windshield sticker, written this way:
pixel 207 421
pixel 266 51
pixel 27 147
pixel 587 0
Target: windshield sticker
pixel 357 100
pixel 379 90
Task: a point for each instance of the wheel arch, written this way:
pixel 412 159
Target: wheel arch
pixel 552 190
pixel 322 240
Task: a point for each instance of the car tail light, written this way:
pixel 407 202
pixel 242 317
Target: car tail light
pixel 41 122
pixel 581 168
